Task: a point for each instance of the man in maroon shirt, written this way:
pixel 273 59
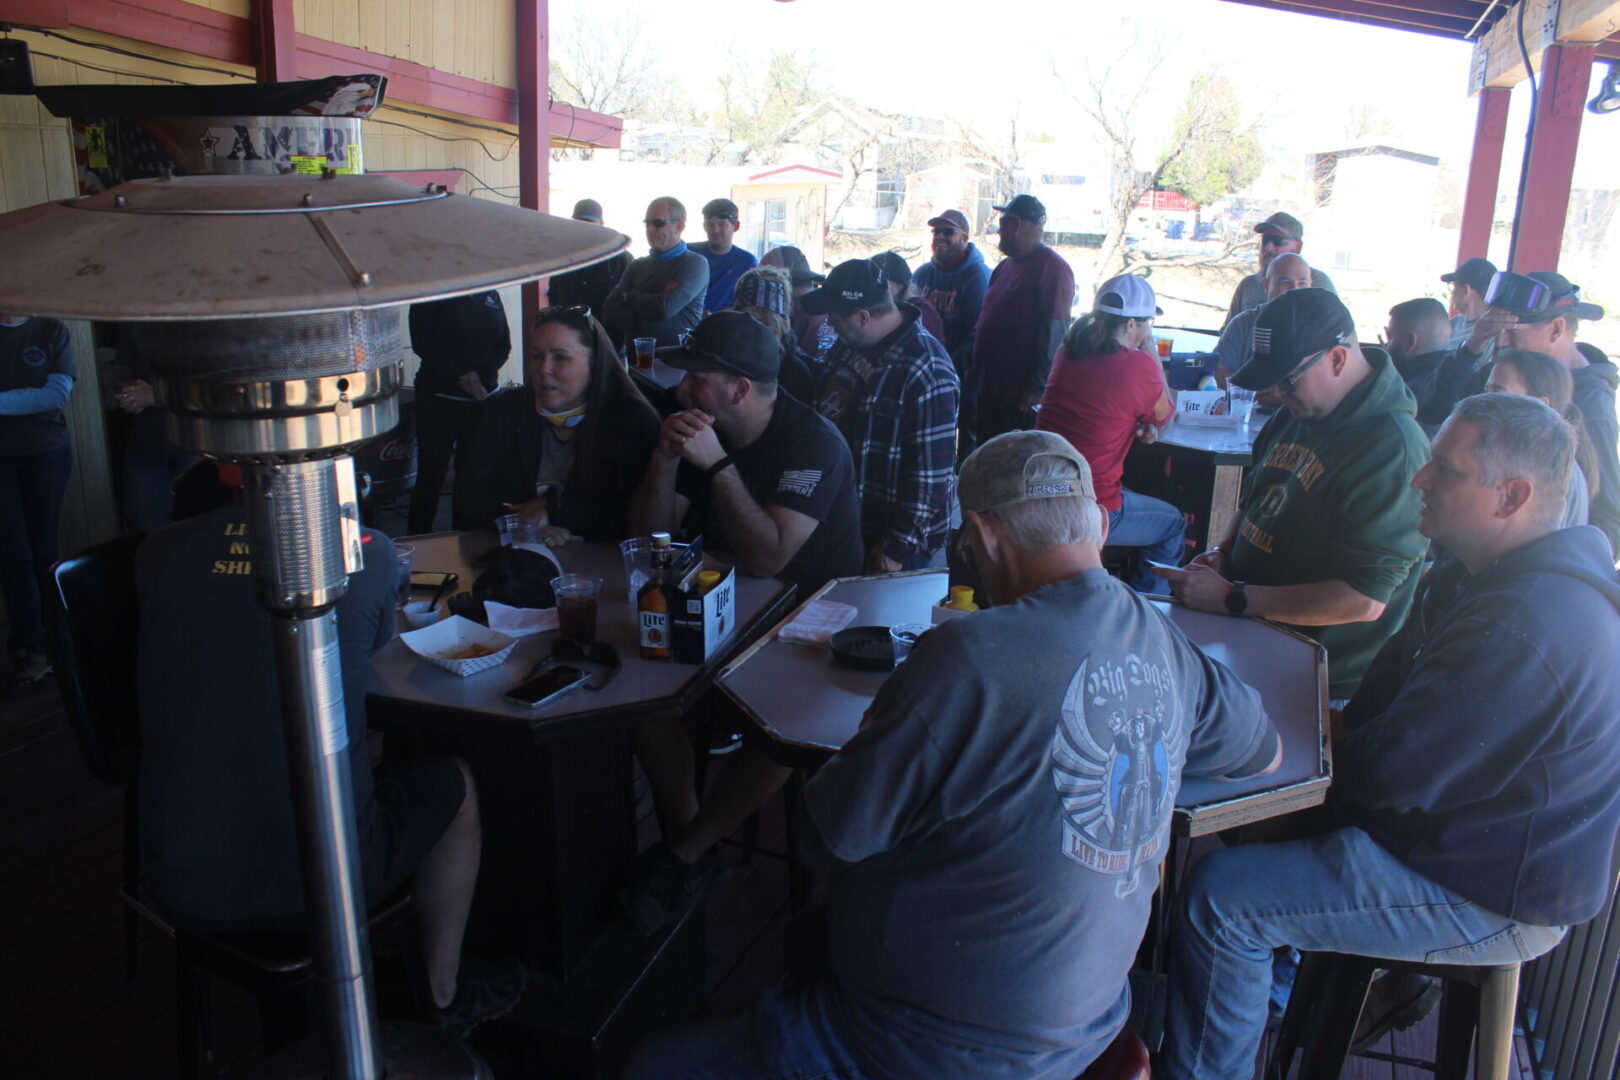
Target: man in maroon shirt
pixel 1025 313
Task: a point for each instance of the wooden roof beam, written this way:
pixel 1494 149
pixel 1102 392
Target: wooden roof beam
pixel 1496 60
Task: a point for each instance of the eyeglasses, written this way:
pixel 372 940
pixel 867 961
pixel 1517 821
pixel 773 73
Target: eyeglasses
pixel 658 222
pixel 946 232
pixel 1275 240
pixel 1287 382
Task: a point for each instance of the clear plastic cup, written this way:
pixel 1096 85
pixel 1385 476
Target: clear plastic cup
pixel 404 553
pixel 644 348
pixel 904 636
pixel 637 555
pixel 576 605
pixel 1240 403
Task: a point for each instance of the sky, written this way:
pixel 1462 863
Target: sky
pixel 1298 76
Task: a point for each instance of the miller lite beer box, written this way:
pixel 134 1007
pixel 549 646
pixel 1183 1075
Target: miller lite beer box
pixel 702 611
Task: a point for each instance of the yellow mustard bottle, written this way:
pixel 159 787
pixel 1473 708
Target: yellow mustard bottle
pixel 961 598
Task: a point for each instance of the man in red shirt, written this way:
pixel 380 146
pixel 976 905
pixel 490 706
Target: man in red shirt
pixel 1026 311
pixel 1104 393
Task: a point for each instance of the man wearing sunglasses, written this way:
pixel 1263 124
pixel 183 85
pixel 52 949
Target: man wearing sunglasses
pixel 661 294
pixel 954 280
pixel 1280 234
pixel 1327 540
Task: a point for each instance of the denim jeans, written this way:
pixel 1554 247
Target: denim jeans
pixel 1339 892
pixel 31 490
pixel 786 1035
pixel 1156 527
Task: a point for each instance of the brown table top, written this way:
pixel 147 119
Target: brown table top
pixel 399 678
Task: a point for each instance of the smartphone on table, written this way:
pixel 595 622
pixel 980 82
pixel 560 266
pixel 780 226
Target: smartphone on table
pixel 547 686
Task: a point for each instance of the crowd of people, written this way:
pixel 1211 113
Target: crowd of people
pixel 1424 509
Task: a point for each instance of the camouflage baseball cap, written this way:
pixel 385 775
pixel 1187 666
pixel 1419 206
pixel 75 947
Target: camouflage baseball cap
pixel 997 474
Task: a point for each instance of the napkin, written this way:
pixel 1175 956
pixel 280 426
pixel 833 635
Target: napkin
pixel 817 621
pixel 519 621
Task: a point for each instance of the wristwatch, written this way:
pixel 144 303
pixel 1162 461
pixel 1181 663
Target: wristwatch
pixel 1237 600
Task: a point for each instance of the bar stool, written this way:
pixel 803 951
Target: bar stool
pixel 1477 1006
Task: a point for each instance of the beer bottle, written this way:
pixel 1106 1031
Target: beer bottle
pixel 652 602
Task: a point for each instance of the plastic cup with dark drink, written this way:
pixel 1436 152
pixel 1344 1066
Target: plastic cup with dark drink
pixel 404 553
pixel 644 352
pixel 576 605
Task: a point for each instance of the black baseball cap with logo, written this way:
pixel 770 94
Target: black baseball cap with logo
pixel 1290 328
pixel 1476 273
pixel 730 342
pixel 720 208
pixel 856 284
pixel 1027 207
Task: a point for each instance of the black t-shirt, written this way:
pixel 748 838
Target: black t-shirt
pixel 217 828
pixel 29 353
pixel 799 462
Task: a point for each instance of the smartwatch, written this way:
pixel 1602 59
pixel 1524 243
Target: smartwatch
pixel 1237 600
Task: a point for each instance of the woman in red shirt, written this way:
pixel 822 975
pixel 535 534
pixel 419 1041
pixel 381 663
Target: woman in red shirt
pixel 1103 393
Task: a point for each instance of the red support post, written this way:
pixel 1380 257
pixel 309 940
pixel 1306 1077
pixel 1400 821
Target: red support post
pixel 1484 173
pixel 1538 234
pixel 273 37
pixel 534 130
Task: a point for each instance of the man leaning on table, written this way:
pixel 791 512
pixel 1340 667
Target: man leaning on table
pixel 770 484
pixel 1473 812
pixel 995 827
pixel 1327 538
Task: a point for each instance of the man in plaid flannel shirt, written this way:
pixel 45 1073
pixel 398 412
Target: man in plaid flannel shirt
pixel 891 389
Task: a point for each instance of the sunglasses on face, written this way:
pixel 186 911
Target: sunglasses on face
pixel 946 232
pixel 1273 240
pixel 1286 384
pixel 657 222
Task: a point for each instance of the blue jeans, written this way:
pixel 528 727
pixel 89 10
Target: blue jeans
pixel 786 1035
pixel 31 490
pixel 1156 527
pixel 1339 892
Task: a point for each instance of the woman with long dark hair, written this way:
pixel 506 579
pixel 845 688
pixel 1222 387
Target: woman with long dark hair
pixel 572 447
pixel 1537 375
pixel 1104 392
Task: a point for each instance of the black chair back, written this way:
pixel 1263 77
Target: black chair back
pixel 92 622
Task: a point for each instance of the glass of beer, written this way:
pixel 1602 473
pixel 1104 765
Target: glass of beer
pixel 645 346
pixel 576 606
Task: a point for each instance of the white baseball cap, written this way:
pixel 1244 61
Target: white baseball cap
pixel 1128 296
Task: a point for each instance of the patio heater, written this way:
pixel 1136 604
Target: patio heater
pixel 272 307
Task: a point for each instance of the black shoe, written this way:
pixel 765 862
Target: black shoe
pixel 666 888
pixel 485 990
pixel 1395 1001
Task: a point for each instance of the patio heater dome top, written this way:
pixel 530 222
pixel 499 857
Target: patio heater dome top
pixel 217 247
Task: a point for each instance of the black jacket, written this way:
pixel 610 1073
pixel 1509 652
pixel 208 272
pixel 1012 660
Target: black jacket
pixel 506 458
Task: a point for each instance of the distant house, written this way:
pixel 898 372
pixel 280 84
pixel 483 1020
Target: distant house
pixel 1360 185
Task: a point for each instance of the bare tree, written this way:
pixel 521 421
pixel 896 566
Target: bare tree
pixel 603 62
pixel 1209 153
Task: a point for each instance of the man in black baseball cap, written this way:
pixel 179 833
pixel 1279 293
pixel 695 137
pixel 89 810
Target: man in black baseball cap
pixel 1469 283
pixel 1280 234
pixel 1541 311
pixel 727 262
pixel 1028 305
pixel 769 483
pixel 1327 538
pixel 890 388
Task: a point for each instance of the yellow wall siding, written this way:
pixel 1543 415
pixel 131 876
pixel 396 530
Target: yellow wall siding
pixel 36 164
pixel 240 8
pixel 471 38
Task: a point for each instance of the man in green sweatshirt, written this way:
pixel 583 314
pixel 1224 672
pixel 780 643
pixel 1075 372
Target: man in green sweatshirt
pixel 1327 540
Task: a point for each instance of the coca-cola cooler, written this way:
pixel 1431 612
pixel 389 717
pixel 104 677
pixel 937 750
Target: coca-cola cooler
pixel 389 460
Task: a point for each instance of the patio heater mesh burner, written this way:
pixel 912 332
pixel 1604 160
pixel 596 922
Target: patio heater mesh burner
pixel 273 303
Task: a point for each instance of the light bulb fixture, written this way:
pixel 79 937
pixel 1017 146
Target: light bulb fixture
pixel 1608 97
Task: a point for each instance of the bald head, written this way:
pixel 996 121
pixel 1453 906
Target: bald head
pixel 1285 273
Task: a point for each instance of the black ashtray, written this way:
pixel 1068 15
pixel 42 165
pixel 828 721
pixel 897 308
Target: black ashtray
pixel 867 648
